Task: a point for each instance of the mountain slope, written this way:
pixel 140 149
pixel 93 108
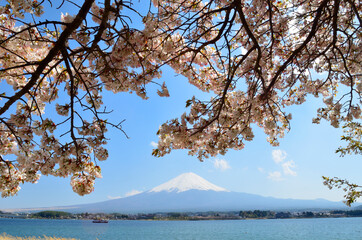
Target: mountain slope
pixel 196 200
pixel 190 193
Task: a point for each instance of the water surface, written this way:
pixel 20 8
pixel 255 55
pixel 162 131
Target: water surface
pixel 271 229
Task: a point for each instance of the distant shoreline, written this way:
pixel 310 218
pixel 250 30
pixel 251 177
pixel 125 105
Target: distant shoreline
pixel 188 216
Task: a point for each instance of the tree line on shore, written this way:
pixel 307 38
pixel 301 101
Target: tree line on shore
pixel 256 214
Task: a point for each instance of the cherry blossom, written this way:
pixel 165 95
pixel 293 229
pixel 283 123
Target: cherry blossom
pixel 255 58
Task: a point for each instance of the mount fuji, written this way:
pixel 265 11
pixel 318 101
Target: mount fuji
pixel 190 193
pixel 186 182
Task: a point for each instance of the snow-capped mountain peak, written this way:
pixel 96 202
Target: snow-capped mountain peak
pixel 185 182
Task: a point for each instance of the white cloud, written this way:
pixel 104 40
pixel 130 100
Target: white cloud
pixel 275 176
pixel 221 164
pixel 279 155
pixel 133 192
pixel 154 144
pixel 287 168
pixel 110 197
pixel 261 170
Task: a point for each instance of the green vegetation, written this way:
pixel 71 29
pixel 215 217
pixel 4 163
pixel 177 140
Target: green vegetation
pixel 257 214
pixel 353 136
pixel 52 214
pixel 211 215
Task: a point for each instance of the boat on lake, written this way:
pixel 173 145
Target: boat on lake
pixel 100 221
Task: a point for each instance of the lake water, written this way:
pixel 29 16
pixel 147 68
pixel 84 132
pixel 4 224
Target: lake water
pixel 291 229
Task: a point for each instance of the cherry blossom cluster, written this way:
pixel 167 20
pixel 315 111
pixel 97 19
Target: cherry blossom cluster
pixel 268 55
pixel 256 58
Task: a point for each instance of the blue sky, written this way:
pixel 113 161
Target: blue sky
pixel 292 170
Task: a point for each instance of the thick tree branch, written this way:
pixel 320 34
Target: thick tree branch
pixel 63 39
